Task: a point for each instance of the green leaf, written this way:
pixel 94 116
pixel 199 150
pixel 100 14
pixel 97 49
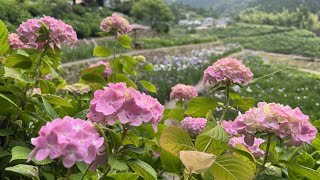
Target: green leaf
pixel 116 164
pixel 26 170
pixel 47 87
pixel 122 176
pixel 57 100
pixel 301 170
pixel 217 136
pixel 305 159
pixel 19 152
pixel 92 78
pixel 3 153
pixel 15 74
pixel 148 86
pixel 82 166
pixel 82 114
pixel 170 162
pixel 269 177
pixel 230 167
pixel 18 61
pixel 123 78
pixel 4 42
pixel 101 51
pixel 176 114
pixel 10 101
pixel 174 140
pixel 51 112
pixel 199 106
pixel 125 41
pixel 316 142
pixel 148 67
pixel 244 103
pixel 143 169
pixel 6 132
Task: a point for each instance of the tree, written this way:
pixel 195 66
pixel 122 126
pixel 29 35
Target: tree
pixel 154 13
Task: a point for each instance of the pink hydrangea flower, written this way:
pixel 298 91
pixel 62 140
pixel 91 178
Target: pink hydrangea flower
pixel 227 70
pixel 183 92
pixel 107 71
pixel 193 125
pixel 129 106
pixel 71 139
pixel 116 22
pixel 254 149
pixel 59 32
pixel 278 119
pixel 15 42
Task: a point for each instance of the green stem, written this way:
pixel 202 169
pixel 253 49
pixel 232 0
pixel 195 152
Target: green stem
pixel 256 79
pixel 226 107
pixel 86 171
pixel 265 158
pixel 69 172
pixel 125 131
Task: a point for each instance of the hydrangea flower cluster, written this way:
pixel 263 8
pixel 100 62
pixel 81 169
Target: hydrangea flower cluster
pixel 116 22
pixel 15 42
pixel 117 102
pixel 254 149
pixel 193 125
pixel 227 70
pixel 71 139
pixel 77 88
pixel 183 92
pixel 283 121
pixel 28 33
pixel 107 71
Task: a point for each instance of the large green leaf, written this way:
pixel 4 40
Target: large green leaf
pixel 176 114
pixel 19 152
pixel 143 169
pixel 125 41
pixel 10 101
pixel 6 132
pixel 302 170
pixel 18 61
pixel 148 86
pixel 101 51
pixel 216 136
pixel 116 164
pixel 15 74
pixel 174 140
pixel 230 167
pixel 4 42
pixel 199 106
pixel 170 162
pixel 47 87
pixel 26 170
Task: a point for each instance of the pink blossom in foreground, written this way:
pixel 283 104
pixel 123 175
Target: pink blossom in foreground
pixel 107 71
pixel 254 149
pixel 283 121
pixel 183 92
pixel 71 139
pixel 129 106
pixel 116 22
pixel 59 32
pixel 227 70
pixel 193 125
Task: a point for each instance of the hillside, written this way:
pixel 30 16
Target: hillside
pixel 233 7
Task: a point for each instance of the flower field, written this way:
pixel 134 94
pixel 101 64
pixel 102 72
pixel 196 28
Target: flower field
pixel 248 121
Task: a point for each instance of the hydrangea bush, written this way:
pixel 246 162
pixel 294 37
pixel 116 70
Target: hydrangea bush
pixel 108 126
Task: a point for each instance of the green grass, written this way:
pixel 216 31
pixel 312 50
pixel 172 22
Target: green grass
pixel 272 39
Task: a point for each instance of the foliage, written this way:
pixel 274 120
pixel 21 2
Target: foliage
pixel 154 13
pixel 300 18
pixel 272 39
